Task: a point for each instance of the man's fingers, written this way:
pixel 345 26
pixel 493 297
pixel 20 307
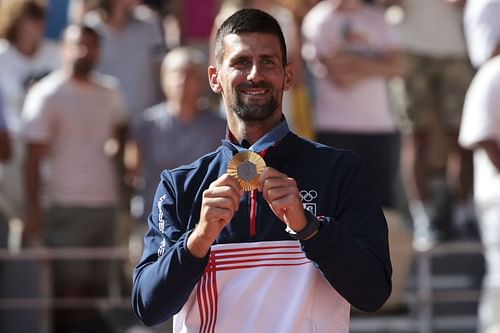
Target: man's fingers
pixel 275 185
pixel 282 203
pixel 220 193
pixel 277 193
pixel 268 174
pixel 231 202
pixel 278 182
pixel 220 201
pixel 227 180
pixel 219 214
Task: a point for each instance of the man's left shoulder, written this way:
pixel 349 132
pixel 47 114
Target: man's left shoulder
pixel 307 146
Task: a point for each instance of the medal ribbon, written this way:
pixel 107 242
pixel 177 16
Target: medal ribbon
pixel 270 139
pixel 253 206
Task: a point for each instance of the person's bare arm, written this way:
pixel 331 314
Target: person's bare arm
pixel 492 149
pixel 34 155
pixel 133 163
pixel 346 68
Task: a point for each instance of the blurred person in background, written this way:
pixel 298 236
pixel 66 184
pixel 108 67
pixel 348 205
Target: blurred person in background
pixel 437 171
pixel 132 48
pixel 480 132
pixel 196 18
pixel 157 12
pixel 163 13
pixel 481 22
pixel 351 66
pixel 24 56
pixel 178 130
pixel 73 120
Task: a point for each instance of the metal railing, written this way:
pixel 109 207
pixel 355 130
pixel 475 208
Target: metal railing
pixel 424 298
pixel 45 301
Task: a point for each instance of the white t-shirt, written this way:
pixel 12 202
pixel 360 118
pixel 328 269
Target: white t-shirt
pixel 481 121
pixel 15 68
pixel 433 28
pixel 75 121
pixel 132 55
pixel 482 29
pixel 364 107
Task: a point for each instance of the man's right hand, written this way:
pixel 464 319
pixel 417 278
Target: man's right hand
pixel 218 205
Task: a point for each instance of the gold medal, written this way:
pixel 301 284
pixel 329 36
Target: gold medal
pixel 246 167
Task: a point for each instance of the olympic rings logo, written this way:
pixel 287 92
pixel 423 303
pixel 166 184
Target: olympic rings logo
pixel 308 196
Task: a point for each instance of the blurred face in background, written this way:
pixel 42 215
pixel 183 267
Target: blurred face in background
pixel 30 29
pixel 80 50
pixel 22 23
pixel 183 80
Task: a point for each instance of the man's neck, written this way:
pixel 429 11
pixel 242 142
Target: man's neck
pixel 118 18
pixel 252 131
pixel 83 79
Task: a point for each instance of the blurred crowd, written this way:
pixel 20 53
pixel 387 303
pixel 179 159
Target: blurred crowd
pixel 97 97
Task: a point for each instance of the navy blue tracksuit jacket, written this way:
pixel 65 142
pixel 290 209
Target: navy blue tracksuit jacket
pixel 350 250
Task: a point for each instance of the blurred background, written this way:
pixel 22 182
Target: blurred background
pixel 98 96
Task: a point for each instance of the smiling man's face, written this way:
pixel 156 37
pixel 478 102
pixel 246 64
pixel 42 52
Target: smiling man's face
pixel 251 76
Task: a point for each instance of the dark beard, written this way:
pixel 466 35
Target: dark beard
pixel 252 112
pixel 82 68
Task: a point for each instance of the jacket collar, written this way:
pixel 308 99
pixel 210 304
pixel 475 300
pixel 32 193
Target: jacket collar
pixel 270 139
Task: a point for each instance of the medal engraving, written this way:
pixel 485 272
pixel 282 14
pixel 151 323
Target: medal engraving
pixel 247 170
pixel 246 167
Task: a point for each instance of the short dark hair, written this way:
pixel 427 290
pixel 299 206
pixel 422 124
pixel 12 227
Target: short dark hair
pixel 249 20
pixel 90 31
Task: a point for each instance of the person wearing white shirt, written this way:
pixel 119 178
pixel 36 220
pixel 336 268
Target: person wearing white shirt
pixel 479 132
pixel 24 56
pixel 72 117
pixel 482 30
pixel 438 74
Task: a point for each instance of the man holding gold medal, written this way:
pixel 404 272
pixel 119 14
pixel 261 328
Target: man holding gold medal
pixel 271 232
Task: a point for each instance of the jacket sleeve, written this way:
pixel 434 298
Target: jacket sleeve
pixel 167 272
pixel 351 248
